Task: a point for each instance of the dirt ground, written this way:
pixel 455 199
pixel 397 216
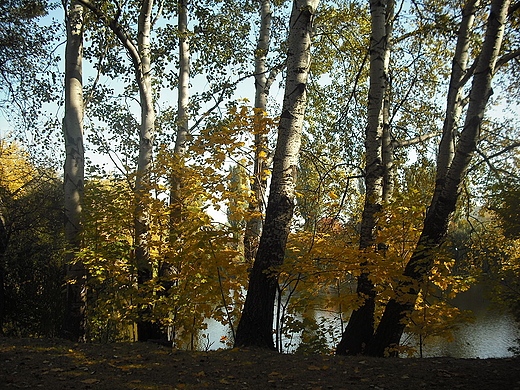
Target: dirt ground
pixel 56 364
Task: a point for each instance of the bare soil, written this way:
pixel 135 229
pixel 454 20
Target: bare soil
pixel 57 364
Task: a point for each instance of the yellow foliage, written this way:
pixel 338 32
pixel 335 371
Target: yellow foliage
pixel 15 168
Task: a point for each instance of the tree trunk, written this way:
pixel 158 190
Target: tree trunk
pixel 167 269
pixel 182 112
pixel 455 102
pixel 74 322
pixel 256 324
pixel 146 137
pixel 4 240
pixel 140 56
pixel 145 329
pixel 259 182
pixel 392 324
pixel 360 328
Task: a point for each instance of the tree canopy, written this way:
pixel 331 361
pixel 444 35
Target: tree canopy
pixel 355 159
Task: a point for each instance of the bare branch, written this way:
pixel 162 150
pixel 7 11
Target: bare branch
pixel 159 13
pixel 506 58
pixel 218 100
pixel 415 140
pixel 487 159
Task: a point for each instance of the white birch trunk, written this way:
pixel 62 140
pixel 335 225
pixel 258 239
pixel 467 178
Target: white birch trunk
pixel 393 322
pixel 140 56
pixel 73 178
pixel 455 103
pixel 184 79
pixel 146 139
pixel 182 109
pixel 259 182
pixel 256 324
pixel 378 167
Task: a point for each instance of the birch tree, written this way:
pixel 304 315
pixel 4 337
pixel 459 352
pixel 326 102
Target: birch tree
pixel 73 177
pixel 392 324
pixel 140 55
pixel 262 84
pixel 256 322
pixel 361 324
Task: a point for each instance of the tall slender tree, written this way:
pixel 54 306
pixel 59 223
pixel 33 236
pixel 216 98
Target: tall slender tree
pixel 360 328
pixel 392 324
pixel 140 55
pixel 182 106
pixel 259 182
pixel 73 178
pixel 256 323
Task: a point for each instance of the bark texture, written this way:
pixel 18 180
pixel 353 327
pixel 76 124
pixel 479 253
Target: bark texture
pixel 140 55
pixel 393 322
pixel 360 327
pixel 455 103
pixel 146 138
pixel 259 182
pixel 256 323
pixel 74 322
pixel 183 94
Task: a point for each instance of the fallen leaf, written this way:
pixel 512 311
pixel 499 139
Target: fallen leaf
pixel 90 381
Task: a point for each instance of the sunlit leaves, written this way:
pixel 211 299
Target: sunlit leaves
pixel 15 169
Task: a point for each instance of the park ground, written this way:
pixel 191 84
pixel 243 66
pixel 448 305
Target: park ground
pixel 57 364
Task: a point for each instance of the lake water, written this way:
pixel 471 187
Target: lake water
pixel 489 336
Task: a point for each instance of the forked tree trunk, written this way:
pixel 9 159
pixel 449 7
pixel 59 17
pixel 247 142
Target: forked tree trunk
pixel 74 322
pixel 393 322
pixel 455 101
pixel 360 327
pixel 256 323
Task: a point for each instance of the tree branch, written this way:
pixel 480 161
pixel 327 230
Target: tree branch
pixel 415 140
pixel 487 159
pixel 506 58
pixel 113 24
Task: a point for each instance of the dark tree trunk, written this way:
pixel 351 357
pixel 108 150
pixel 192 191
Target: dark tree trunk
pixel 392 324
pixel 2 289
pixel 256 323
pixel 360 327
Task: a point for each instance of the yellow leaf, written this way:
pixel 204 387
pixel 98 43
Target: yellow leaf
pixel 333 195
